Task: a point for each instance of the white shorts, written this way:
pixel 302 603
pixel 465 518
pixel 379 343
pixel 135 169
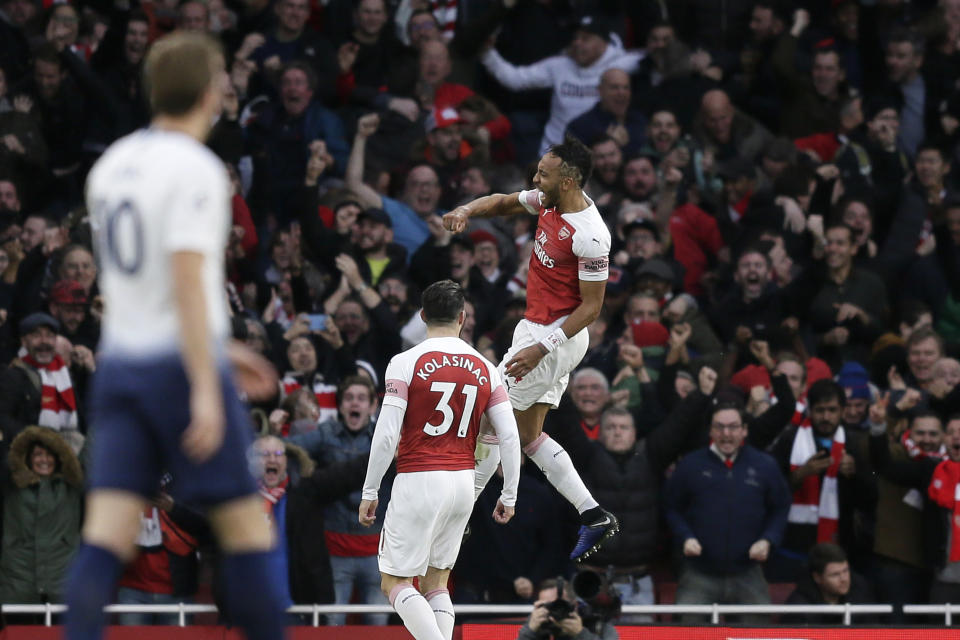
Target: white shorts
pixel 426 516
pixel 548 380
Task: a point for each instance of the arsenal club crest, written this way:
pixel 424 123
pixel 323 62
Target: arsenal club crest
pixel 564 233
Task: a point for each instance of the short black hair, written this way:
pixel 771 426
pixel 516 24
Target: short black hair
pixel 826 47
pixel 925 333
pixel 307 70
pixel 824 390
pixel 46 447
pixel 726 398
pixel 575 158
pixel 911 309
pixel 137 15
pixel 925 413
pixel 823 554
pixel 361 381
pixel 422 12
pixel 793 181
pixel 47 217
pixel 840 224
pixel 779 8
pixel 601 139
pixel 348 203
pixel 933 145
pixel 914 38
pixel 756 247
pixel 46 52
pixel 442 302
pixel 863 197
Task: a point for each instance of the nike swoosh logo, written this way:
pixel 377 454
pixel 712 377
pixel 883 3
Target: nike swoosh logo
pixel 606 521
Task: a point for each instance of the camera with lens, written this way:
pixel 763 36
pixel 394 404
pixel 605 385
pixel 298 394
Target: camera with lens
pixel 599 601
pixel 558 610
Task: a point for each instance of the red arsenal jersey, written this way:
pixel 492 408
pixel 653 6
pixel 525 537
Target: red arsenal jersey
pixel 568 247
pixel 445 387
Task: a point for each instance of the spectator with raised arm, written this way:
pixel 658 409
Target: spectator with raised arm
pixel 415 215
pixel 573 76
pixel 281 136
pixel 612 115
pixel 291 39
pixel 811 103
pixel 368 326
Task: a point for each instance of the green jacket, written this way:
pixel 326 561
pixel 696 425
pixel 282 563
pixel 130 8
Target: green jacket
pixel 41 521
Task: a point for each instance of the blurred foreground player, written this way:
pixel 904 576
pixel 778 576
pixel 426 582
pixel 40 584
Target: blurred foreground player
pixel 436 394
pixel 565 287
pixel 163 396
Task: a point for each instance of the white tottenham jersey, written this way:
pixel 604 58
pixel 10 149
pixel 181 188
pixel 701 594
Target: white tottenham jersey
pixel 152 194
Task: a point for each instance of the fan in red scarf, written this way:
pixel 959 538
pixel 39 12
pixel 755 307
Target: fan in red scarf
pixel 945 487
pixel 272 473
pixel 924 438
pixel 801 375
pixel 820 449
pixel 302 355
pixel 38 357
pixel 817 502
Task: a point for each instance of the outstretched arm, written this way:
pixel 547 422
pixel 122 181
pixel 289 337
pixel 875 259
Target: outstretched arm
pixel 497 204
pixel 538 75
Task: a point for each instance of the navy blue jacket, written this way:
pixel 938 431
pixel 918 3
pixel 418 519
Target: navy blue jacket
pixel 594 123
pixel 727 510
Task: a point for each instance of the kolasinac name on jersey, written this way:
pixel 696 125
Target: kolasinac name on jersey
pixel 463 362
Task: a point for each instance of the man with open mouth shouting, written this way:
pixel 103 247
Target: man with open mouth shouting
pixel 938 480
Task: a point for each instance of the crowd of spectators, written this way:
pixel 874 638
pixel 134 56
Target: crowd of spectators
pixel 773 371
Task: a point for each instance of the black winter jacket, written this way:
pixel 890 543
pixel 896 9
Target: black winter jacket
pixel 628 485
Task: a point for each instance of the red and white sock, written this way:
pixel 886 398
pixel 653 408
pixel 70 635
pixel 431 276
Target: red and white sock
pixel 416 613
pixel 439 600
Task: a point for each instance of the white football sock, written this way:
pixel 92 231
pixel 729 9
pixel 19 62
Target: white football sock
pixel 555 463
pixel 439 600
pixel 416 613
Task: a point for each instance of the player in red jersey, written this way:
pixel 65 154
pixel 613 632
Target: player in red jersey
pixel 565 287
pixel 436 394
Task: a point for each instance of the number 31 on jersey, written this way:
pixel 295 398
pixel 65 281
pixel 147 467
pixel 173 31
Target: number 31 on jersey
pixel 447 390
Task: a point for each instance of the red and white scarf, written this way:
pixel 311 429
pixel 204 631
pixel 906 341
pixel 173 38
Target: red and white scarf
pixel 944 489
pixel 326 394
pixel 271 496
pixel 58 405
pixel 800 417
pixel 817 502
pixel 916 453
pixel 445 12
